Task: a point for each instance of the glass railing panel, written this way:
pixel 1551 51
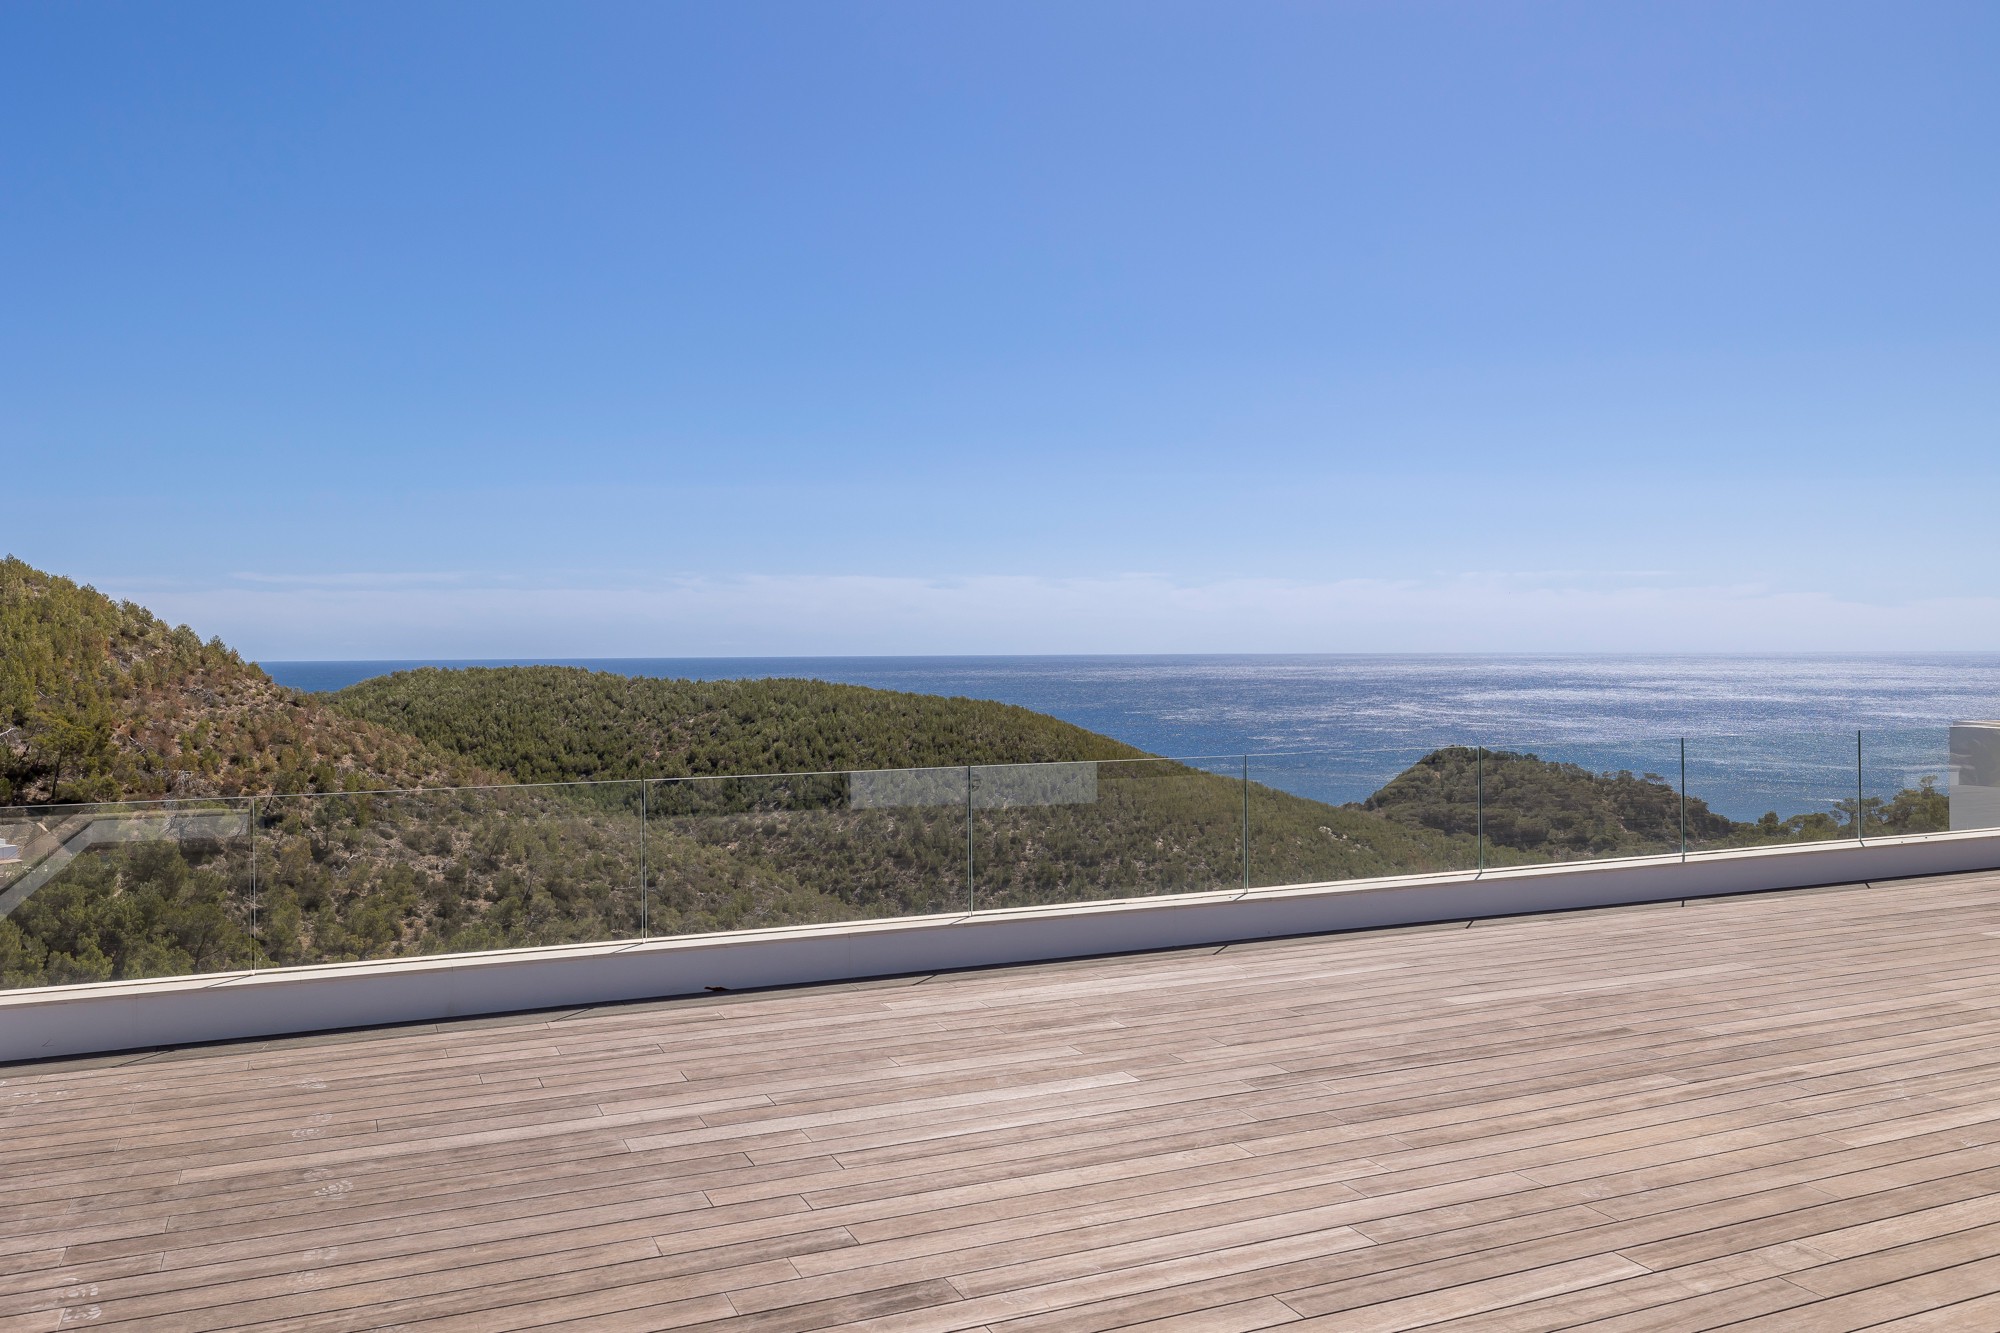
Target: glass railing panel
pixel 1356 814
pixel 1907 783
pixel 115 892
pixel 1770 789
pixel 1102 829
pixel 1580 801
pixel 795 849
pixel 373 875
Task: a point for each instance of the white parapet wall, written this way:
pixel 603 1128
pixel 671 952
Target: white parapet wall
pixel 1975 775
pixel 134 1015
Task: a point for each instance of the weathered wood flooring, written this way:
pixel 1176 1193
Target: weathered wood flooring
pixel 1771 1113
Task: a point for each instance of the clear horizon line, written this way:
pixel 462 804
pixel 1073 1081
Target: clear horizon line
pixel 547 660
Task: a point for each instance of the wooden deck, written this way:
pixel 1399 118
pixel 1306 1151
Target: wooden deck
pixel 1779 1112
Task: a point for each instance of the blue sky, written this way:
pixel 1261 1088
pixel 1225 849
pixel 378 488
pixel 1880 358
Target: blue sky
pixel 669 329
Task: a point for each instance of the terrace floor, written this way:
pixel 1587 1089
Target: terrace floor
pixel 1779 1112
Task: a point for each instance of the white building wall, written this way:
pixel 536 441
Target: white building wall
pixel 1975 775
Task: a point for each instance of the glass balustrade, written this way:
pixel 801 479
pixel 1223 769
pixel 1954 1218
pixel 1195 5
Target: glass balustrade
pixel 1321 816
pixel 345 877
pixel 1906 783
pixel 735 853
pixel 1580 801
pixel 1095 830
pixel 1771 789
pixel 167 888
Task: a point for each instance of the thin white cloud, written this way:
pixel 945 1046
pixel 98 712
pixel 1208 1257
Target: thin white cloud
pixel 361 579
pixel 360 616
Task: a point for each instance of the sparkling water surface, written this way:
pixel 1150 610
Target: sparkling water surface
pixel 1762 732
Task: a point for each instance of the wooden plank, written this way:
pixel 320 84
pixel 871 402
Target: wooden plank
pixel 1472 1298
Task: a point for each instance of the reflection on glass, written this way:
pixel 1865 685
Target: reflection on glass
pixel 388 874
pixel 122 891
pixel 737 853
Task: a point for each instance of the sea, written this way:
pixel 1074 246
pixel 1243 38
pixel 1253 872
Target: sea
pixel 1787 733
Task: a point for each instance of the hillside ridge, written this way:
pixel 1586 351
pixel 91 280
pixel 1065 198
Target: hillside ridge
pixel 568 724
pixel 102 700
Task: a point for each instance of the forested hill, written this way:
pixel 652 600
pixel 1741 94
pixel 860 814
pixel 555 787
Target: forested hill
pixel 102 700
pixel 554 724
pixel 1557 811
pixel 1544 807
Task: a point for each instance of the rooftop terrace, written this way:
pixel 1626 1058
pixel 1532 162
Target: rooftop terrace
pixel 1777 1111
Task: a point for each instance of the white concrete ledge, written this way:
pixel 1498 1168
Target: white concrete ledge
pixel 133 1015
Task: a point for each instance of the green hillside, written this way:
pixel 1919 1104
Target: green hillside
pixel 1555 811
pixel 737 851
pixel 565 724
pixel 1536 809
pixel 101 700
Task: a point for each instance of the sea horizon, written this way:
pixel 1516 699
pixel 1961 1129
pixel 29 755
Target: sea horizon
pixel 1762 731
